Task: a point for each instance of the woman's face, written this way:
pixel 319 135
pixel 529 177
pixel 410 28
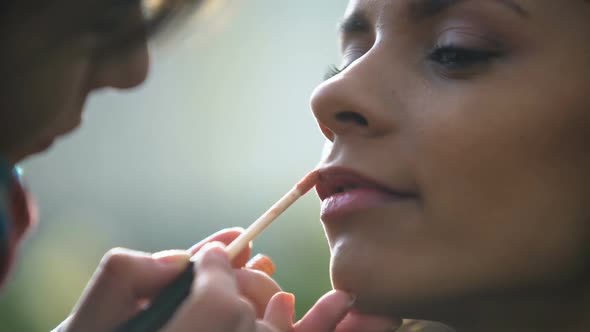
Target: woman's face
pixel 459 165
pixel 53 58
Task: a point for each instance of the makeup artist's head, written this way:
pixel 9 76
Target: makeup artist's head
pixel 458 173
pixel 55 53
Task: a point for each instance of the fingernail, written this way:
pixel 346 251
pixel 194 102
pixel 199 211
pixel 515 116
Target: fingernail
pixel 285 301
pixel 291 303
pixel 178 257
pixel 261 263
pixel 291 297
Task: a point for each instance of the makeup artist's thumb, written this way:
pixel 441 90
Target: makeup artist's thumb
pixel 124 281
pixel 332 313
pixel 327 313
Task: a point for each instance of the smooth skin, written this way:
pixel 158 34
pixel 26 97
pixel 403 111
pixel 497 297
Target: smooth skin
pixel 479 111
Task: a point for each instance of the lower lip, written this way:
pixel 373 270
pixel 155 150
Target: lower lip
pixel 345 203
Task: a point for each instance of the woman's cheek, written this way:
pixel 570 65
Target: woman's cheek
pixel 508 167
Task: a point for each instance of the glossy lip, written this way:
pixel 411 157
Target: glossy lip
pixel 344 191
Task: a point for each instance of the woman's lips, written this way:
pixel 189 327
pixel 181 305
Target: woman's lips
pixel 344 191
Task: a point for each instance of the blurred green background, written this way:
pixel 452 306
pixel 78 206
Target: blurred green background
pixel 221 129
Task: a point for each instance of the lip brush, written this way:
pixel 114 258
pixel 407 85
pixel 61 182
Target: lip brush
pixel 165 304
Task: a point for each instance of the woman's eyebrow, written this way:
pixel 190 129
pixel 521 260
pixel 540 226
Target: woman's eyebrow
pixel 422 9
pixel 358 23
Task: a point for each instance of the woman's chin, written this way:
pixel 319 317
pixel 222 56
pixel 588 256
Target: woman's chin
pixel 381 291
pixel 370 294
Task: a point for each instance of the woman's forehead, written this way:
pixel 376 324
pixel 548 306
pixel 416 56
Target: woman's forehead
pixel 424 6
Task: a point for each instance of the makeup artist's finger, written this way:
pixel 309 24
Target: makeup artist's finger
pixel 226 236
pixel 214 304
pixel 258 287
pixel 326 314
pixel 355 321
pixel 123 279
pixel 261 263
pixel 280 311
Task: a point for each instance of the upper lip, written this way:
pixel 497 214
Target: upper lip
pixel 336 179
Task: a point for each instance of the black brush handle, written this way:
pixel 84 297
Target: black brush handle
pixel 163 306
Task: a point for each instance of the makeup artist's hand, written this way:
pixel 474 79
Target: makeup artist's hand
pixel 218 306
pixel 254 285
pixel 330 313
pixel 125 279
pixel 274 309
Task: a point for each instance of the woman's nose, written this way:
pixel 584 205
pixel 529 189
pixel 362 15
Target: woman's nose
pixel 123 70
pixel 354 102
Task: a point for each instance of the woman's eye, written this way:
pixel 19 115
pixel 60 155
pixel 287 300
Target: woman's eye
pixel 331 72
pixel 458 58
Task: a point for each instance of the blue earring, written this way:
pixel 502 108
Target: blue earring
pixel 6 176
pixel 6 173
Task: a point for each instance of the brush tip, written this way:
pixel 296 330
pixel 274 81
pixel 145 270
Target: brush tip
pixel 308 182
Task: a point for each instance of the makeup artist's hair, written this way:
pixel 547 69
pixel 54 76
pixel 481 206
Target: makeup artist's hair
pixel 156 16
pixel 161 13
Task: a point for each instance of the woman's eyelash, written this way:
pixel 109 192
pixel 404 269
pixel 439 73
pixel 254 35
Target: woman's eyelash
pixel 455 57
pixel 448 56
pixel 332 71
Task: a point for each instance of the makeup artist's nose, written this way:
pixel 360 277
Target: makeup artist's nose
pixel 127 64
pixel 354 102
pixel 123 70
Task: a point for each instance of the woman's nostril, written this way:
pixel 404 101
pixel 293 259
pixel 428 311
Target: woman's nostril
pixel 327 132
pixel 352 117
